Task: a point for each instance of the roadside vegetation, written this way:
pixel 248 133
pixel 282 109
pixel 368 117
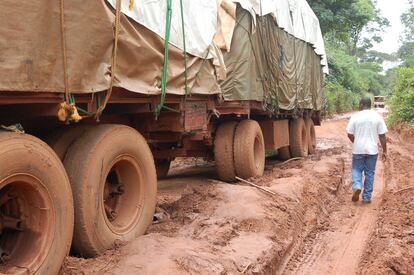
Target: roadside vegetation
pixel 351 28
pixel 401 98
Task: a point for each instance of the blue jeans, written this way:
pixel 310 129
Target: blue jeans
pixel 366 164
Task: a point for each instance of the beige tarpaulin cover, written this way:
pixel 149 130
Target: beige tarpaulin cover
pixel 295 17
pixel 31 56
pixel 200 21
pixel 266 64
pixel 271 65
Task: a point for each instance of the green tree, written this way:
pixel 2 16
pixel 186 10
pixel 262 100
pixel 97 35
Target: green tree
pixel 346 20
pixel 350 29
pixel 407 19
pixel 406 54
pixel 402 98
pixel 406 51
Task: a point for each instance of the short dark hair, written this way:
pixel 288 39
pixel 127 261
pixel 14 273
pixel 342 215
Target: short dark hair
pixel 365 102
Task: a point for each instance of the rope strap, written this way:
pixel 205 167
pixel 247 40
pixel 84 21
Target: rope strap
pixel 63 43
pixel 165 65
pixel 114 58
pixel 67 110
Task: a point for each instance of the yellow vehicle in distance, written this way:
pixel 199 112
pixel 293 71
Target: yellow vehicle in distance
pixel 379 102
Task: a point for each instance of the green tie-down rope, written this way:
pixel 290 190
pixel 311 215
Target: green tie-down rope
pixel 72 101
pixel 165 65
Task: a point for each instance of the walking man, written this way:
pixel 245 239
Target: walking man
pixel 364 129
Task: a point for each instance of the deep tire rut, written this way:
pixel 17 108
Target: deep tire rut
pixel 338 249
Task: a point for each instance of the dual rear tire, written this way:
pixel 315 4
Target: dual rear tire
pixel 298 138
pixel 302 139
pixel 36 207
pixel 239 150
pixel 114 183
pixel 112 174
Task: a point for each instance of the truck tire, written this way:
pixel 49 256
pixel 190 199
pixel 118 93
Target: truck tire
pixel 114 182
pixel 310 129
pixel 223 151
pixel 284 153
pixel 162 167
pixel 249 149
pixel 36 207
pixel 298 138
pixel 63 138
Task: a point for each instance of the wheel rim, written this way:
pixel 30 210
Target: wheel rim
pixel 122 200
pixel 258 152
pixel 27 223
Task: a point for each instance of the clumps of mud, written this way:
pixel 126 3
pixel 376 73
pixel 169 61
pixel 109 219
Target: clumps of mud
pixel 219 228
pixel 208 227
pixel 391 248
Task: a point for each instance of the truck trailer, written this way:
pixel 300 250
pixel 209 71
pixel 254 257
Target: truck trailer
pixel 98 97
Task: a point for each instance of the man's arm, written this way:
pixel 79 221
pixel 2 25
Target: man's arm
pixel 350 129
pixel 382 130
pixel 383 141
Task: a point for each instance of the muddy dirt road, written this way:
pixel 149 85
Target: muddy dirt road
pixel 309 227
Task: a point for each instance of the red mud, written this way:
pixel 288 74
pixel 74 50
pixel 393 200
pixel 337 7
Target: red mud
pixel 211 227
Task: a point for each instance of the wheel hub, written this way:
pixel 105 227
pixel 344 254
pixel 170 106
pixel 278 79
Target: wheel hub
pixel 25 223
pixel 122 198
pixel 112 195
pixel 11 220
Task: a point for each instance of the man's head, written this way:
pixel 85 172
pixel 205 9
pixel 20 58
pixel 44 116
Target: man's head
pixel 365 103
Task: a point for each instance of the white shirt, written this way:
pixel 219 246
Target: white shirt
pixel 366 126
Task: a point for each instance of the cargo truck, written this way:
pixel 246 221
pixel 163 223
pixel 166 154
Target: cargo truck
pixel 98 97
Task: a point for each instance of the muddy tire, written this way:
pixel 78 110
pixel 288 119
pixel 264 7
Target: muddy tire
pixel 310 129
pixel 114 182
pixel 284 153
pixel 249 149
pixel 36 207
pixel 223 151
pixel 162 167
pixel 298 138
pixel 61 140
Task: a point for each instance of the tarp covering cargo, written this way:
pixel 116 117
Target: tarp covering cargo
pixel 31 55
pixel 280 67
pixel 295 17
pixel 265 63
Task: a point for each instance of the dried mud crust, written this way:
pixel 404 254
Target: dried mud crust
pixel 210 227
pixel 391 247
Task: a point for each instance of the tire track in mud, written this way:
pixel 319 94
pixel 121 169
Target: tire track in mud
pixel 216 228
pixel 391 246
pixel 338 249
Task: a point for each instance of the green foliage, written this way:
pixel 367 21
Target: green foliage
pixel 355 70
pixel 401 79
pixel 406 53
pixel 346 20
pixel 389 80
pixel 401 101
pixel 373 56
pixel 339 100
pixel 407 19
pixel 406 50
pixel 349 79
